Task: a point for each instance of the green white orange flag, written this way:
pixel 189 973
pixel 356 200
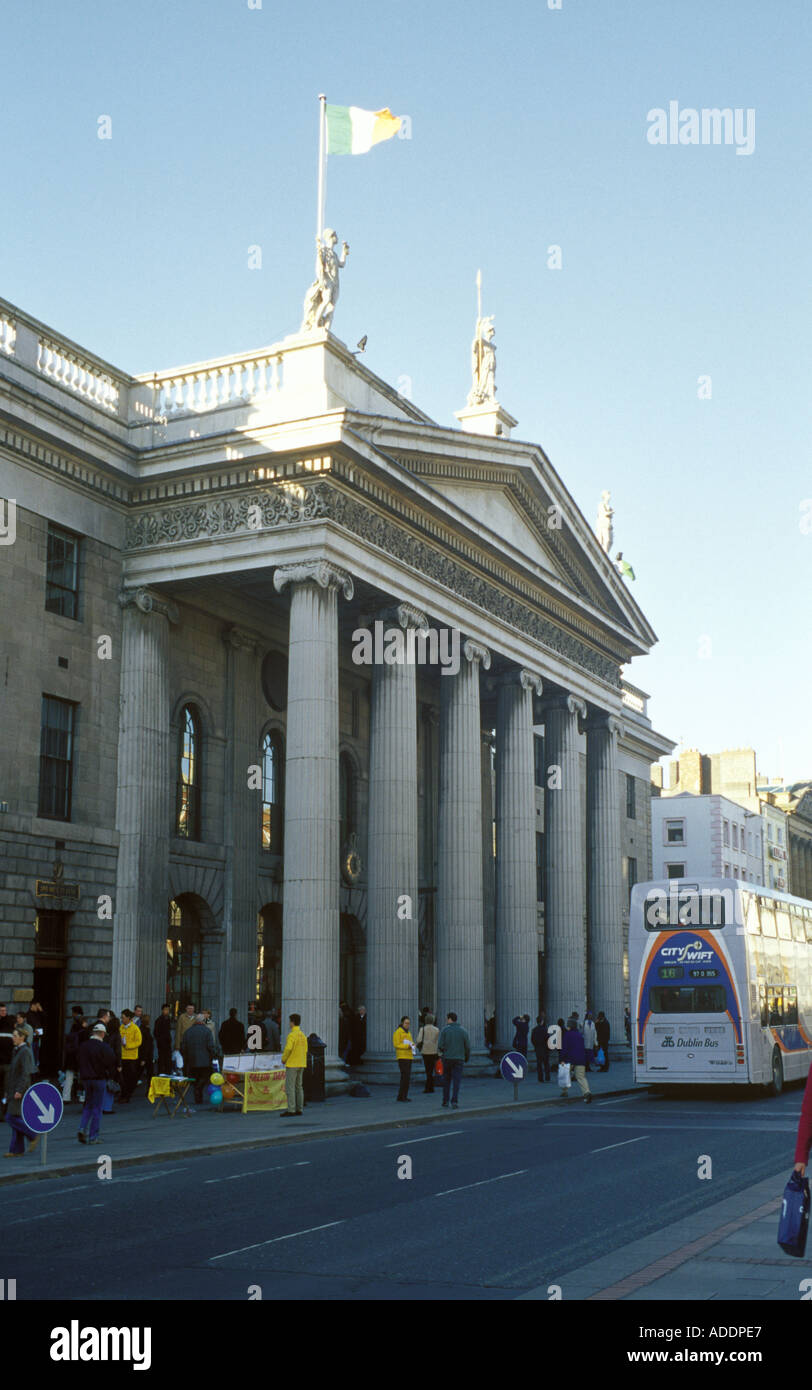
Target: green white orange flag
pixel 353 131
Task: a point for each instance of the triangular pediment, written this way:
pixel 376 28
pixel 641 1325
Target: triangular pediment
pixel 497 509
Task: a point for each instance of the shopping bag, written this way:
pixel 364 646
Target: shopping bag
pixel 601 1057
pixel 793 1222
pixel 438 1067
pixel 564 1074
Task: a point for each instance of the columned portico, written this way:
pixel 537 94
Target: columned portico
pixel 392 849
pixel 143 800
pixel 459 940
pixel 310 959
pixel 605 948
pixel 565 903
pixel 516 935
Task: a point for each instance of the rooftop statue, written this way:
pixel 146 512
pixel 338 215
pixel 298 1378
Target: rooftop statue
pixel 322 297
pixel 483 363
pixel 604 529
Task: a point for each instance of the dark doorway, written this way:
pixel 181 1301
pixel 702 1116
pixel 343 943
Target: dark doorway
pixel 49 990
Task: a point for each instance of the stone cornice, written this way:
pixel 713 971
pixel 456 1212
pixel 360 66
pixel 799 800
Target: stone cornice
pixel 72 469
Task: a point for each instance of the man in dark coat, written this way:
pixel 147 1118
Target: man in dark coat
pixel 232 1033
pixel 198 1054
pixel 574 1052
pixel 97 1062
pixel 358 1036
pixel 6 1049
pixel 521 1024
pixel 538 1038
pixel 603 1031
pixel 163 1040
pixel 20 1073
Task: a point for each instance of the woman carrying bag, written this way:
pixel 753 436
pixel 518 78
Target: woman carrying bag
pixel 427 1047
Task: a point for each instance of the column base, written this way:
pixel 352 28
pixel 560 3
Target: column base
pixel 337 1080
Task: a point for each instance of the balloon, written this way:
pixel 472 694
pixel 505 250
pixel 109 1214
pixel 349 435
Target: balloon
pixel 216 1079
pixel 228 1091
pixel 216 1097
pixel 210 1088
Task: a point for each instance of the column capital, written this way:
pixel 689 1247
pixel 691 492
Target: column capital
pixel 573 704
pixel 149 601
pixel 241 638
pixel 404 614
pixel 321 572
pixel 516 675
pixel 475 651
pixel 603 722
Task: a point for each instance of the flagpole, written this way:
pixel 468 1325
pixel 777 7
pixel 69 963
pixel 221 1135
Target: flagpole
pixel 322 163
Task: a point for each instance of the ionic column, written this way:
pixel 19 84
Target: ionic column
pixel 516 934
pixel 605 984
pixel 242 823
pixel 310 953
pixel 144 802
pixel 459 939
pixel 392 893
pixel 565 864
pixel 488 871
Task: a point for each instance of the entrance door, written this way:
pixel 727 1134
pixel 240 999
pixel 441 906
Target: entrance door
pixel 49 990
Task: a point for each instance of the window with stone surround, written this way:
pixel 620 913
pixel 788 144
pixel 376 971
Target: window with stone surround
pixel 631 804
pixel 675 870
pixel 726 832
pixel 631 875
pixel 62 573
pixel 56 758
pixel 538 751
pixel 187 815
pixel 675 832
pixel 273 805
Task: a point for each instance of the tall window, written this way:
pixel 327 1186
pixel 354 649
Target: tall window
pixel 675 832
pixel 631 875
pixel 630 797
pixel 62 574
pixel 346 799
pixel 273 773
pixel 56 758
pixel 539 867
pixel 183 959
pixel 538 751
pixel 188 794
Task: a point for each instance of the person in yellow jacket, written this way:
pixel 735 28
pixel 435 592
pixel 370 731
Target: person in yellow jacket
pixel 404 1051
pixel 130 1043
pixel 294 1057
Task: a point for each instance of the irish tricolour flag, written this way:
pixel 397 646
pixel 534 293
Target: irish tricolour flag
pixel 353 131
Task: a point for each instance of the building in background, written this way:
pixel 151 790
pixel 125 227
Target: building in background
pixel 705 837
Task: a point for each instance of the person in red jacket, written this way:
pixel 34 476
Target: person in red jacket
pixel 804 1143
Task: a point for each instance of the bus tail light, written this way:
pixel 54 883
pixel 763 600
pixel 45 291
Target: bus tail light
pixel 739 1055
pixel 640 1054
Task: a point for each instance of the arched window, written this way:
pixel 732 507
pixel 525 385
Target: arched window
pixel 273 792
pixel 187 821
pixel 346 798
pixel 183 958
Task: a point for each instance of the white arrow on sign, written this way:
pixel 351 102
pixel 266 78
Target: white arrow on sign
pixel 517 1071
pixel 46 1112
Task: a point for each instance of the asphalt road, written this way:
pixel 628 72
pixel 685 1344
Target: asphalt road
pixel 494 1206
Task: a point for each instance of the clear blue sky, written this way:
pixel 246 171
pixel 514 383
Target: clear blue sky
pixel 528 129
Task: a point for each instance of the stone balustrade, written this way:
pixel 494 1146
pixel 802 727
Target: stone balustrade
pixel 8 334
pixel 67 368
pixel 634 699
pixel 213 385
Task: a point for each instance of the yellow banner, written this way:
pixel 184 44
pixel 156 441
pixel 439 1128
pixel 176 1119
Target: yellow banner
pixel 264 1090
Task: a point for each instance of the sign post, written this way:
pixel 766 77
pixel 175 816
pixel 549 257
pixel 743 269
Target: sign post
pixel 41 1110
pixel 514 1068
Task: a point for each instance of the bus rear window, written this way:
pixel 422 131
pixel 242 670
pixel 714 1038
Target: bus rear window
pixel 707 999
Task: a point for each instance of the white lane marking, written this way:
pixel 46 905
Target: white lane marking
pixel 483 1183
pixel 280 1167
pixel 164 1173
pixel 624 1100
pixel 43 1215
pixel 445 1135
pixel 621 1145
pixel 274 1239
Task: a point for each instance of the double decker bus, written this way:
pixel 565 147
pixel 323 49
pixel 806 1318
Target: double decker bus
pixel 721 980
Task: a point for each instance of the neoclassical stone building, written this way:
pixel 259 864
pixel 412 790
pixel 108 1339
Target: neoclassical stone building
pixel 207 794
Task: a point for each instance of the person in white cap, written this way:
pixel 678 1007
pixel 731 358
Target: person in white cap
pixel 97 1065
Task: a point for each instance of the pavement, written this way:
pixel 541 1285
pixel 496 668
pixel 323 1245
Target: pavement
pixel 135 1134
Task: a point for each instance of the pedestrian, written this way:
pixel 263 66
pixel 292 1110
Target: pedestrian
pixel 113 1026
pixel 272 1032
pixel 130 1035
pixel 427 1038
pixel 138 1014
pixel 803 1143
pixel 36 1018
pixel 20 1072
pixel 232 1034
pixel 28 1032
pixel 146 1052
pixel 6 1049
pixel 404 1051
pixel 627 1024
pixel 521 1025
pixel 70 1054
pixel 199 1052
pixel 574 1052
pixel 538 1038
pixel 185 1020
pixel 603 1032
pixel 358 1034
pixel 163 1040
pixel 590 1040
pixel 454 1047
pixel 294 1058
pixel 97 1063
pixel 209 1022
pixel 490 1031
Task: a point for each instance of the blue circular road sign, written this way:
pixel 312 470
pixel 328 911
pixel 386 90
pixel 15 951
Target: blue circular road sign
pixel 42 1107
pixel 514 1066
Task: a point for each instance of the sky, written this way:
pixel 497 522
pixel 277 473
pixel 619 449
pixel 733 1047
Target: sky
pixel 528 129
